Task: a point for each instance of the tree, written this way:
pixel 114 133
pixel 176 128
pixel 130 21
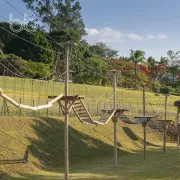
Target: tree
pixel 58 13
pixel 174 63
pixel 137 57
pixel 38 49
pixel 163 60
pixel 151 62
pixel 102 50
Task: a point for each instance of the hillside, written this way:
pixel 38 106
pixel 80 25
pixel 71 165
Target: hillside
pixel 96 97
pixel 32 147
pixel 44 138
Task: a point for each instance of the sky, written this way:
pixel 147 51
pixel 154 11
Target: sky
pixel 149 25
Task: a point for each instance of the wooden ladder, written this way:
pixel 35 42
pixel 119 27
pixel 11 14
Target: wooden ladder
pixel 82 113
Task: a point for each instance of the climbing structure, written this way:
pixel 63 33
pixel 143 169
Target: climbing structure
pixel 84 116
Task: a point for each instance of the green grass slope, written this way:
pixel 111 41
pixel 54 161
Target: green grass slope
pixel 32 147
pixel 96 97
pixel 44 139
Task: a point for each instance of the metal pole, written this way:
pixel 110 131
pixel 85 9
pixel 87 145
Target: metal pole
pixel 164 146
pixel 66 137
pixel 115 121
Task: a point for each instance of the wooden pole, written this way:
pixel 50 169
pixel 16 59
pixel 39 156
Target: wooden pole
pixel 177 121
pixel 165 124
pixel 115 121
pixel 66 130
pixel 144 124
pixel 144 101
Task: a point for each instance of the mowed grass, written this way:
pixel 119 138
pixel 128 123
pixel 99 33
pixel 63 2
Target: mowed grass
pixel 36 92
pixel 158 166
pixel 91 148
pixel 91 151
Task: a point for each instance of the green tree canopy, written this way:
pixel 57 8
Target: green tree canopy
pixel 59 15
pixel 30 46
pixel 102 50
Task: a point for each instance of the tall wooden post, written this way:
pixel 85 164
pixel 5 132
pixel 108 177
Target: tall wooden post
pixel 165 123
pixel 177 122
pixel 177 104
pixel 115 121
pixel 66 131
pixel 114 118
pixel 144 124
pixel 144 101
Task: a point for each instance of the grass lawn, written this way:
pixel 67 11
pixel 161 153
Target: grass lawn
pixel 158 166
pixel 96 97
pixel 91 151
pixel 91 148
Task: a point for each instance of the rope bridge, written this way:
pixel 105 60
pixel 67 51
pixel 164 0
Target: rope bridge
pixel 75 103
pixel 36 108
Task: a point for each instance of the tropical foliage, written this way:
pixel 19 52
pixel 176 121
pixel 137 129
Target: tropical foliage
pixel 37 54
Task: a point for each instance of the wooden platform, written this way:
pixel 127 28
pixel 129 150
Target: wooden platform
pixel 68 97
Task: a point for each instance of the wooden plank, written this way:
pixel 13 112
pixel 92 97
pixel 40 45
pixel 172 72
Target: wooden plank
pixel 85 113
pixel 77 103
pixel 83 118
pixel 68 97
pixel 80 110
pixel 79 107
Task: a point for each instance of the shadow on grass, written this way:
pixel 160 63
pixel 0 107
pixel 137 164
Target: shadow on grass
pixel 17 161
pixel 130 133
pixel 49 147
pixel 135 138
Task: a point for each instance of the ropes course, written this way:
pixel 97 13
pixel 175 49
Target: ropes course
pixel 25 93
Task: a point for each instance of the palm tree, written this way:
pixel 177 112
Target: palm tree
pixel 151 62
pixel 163 60
pixel 137 57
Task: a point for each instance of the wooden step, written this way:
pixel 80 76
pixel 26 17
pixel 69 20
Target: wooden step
pixel 77 103
pixel 87 117
pixel 80 110
pixel 78 106
pixel 85 113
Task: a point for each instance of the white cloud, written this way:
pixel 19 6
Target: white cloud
pixel 105 35
pixel 92 32
pixel 162 36
pixel 109 35
pixel 135 37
